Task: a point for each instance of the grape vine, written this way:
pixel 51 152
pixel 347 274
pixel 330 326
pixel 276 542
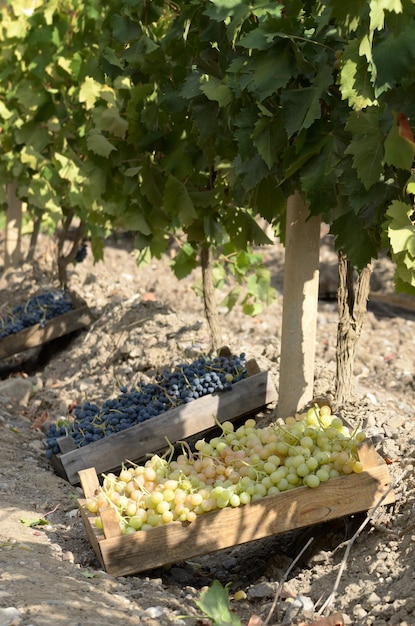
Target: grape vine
pixel 230 470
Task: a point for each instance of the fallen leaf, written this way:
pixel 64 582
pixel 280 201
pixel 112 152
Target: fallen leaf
pixel 37 521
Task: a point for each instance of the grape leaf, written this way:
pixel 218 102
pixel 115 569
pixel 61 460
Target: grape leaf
pixel 356 78
pixel 112 121
pixel 366 148
pixel 89 92
pixel 377 12
pixel 301 107
pixel 98 144
pixel 400 229
pixel 398 151
pixel 214 89
pixel 214 602
pixel 269 138
pixel 37 521
pixel 352 237
pixel 177 201
pixel 391 67
pixel 348 15
pixel 272 70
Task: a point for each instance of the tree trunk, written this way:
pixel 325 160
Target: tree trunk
pixel 65 260
pixel 300 302
pixel 37 222
pixel 13 248
pixel 352 306
pixel 211 310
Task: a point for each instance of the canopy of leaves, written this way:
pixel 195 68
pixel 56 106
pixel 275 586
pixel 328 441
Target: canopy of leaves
pixel 200 116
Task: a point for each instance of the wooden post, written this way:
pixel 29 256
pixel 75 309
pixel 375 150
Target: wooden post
pixel 300 301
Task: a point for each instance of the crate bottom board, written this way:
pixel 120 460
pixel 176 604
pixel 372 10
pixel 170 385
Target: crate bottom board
pixel 272 515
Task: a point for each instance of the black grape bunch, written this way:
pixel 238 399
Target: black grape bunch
pixel 81 253
pixel 38 309
pixel 185 383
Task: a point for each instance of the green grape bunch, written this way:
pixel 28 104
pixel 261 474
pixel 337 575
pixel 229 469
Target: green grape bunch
pixel 235 468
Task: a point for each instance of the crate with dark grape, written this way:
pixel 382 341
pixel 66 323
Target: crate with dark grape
pixel 247 483
pixel 183 401
pixel 41 318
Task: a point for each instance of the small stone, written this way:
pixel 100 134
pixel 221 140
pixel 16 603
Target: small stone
pixel 154 611
pixel 262 590
pixel 10 616
pixel 359 612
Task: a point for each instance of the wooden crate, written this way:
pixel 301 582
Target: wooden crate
pixel 121 555
pixel 38 334
pixel 247 397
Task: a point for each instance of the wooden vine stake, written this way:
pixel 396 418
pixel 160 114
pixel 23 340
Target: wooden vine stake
pixel 300 301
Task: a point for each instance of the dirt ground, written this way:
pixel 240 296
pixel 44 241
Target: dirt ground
pixel 145 320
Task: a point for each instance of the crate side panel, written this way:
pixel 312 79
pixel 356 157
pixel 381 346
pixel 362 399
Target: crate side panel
pixel 91 531
pixel 228 527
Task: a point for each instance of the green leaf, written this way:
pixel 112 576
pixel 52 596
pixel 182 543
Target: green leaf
pixel 271 70
pixel 37 521
pixel 214 602
pixel 185 261
pixel 89 92
pixel 400 228
pixel 348 15
pixel 398 152
pixel 231 298
pixel 269 138
pixel 353 238
pixel 136 220
pixel 301 107
pixel 366 146
pixel 319 176
pixel 32 158
pixel 177 201
pixel 378 9
pixel 394 56
pixel 356 79
pixel 98 144
pixel 111 121
pixel 214 89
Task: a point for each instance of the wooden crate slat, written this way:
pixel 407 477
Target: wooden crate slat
pixel 37 335
pixel 272 515
pixel 246 397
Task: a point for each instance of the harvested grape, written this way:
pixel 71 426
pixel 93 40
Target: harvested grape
pixel 183 384
pixel 230 470
pixel 38 309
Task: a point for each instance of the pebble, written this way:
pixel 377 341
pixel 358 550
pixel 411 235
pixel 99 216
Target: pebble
pixel 154 611
pixel 10 616
pixel 359 612
pixel 262 590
